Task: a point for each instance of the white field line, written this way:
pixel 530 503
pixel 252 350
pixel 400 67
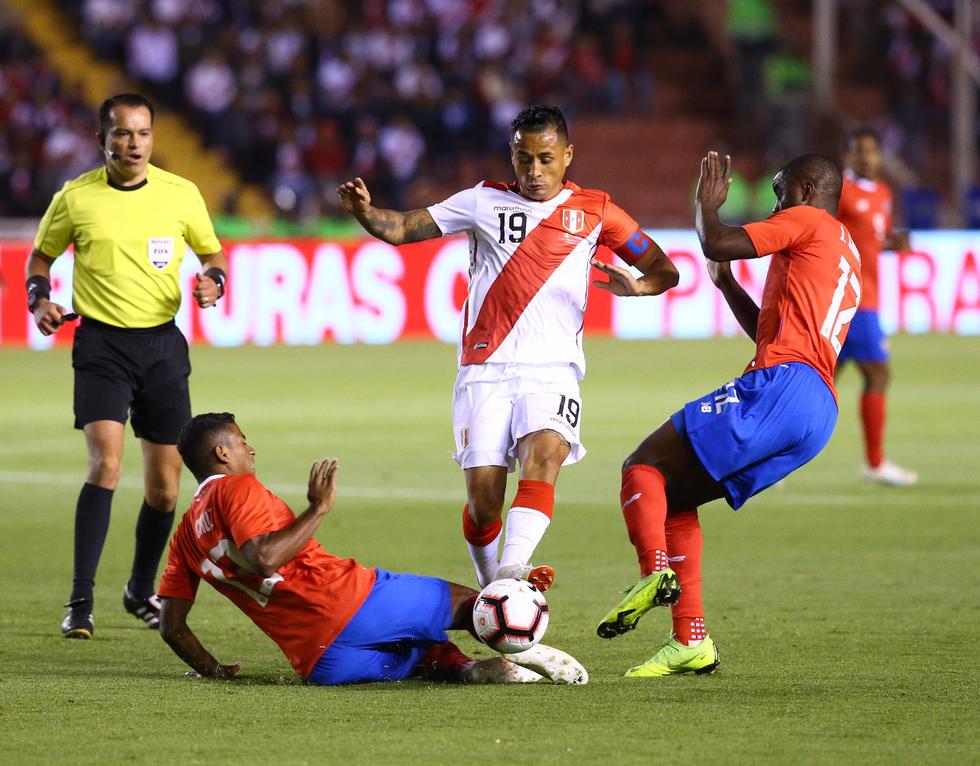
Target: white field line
pixel 435 494
pixel 56 444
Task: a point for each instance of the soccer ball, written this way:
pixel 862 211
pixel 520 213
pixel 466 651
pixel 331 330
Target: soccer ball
pixel 510 615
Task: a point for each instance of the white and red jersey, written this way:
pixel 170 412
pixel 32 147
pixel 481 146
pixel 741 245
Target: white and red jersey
pixel 529 268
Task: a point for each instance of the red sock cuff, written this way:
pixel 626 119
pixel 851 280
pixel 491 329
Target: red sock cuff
pixel 642 468
pixel 476 534
pixel 538 495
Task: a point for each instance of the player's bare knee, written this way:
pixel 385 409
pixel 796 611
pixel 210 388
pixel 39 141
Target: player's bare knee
pixel 639 457
pixel 542 455
pixel 104 470
pixel 485 507
pixel 161 498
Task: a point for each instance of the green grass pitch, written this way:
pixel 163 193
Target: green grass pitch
pixel 846 615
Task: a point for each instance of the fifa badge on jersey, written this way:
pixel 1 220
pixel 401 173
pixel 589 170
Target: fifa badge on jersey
pixel 160 251
pixel 572 220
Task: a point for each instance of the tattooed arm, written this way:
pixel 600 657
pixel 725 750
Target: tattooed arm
pixel 387 225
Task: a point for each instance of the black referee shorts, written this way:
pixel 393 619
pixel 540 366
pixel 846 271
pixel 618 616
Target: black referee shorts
pixel 144 372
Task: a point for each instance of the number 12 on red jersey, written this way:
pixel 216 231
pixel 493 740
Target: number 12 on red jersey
pixel 836 319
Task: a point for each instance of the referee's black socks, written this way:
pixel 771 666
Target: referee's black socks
pixel 152 533
pixel 91 526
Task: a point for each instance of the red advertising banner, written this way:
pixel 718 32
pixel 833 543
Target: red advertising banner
pixel 304 292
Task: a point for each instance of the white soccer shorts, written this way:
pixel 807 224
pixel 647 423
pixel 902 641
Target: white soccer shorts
pixel 494 405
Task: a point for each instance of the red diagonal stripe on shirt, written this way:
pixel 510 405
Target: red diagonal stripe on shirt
pixel 530 266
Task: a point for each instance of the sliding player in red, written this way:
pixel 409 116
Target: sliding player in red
pixel 336 621
pixel 750 433
pixel 520 353
pixel 866 211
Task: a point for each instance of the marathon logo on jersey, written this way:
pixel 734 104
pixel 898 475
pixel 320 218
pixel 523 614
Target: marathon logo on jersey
pixel 160 251
pixel 572 220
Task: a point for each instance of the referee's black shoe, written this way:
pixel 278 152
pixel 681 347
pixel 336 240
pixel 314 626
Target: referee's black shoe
pixel 79 622
pixel 145 609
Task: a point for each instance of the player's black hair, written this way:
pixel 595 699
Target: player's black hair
pixel 534 119
pixel 818 169
pixel 862 132
pixel 198 436
pixel 121 99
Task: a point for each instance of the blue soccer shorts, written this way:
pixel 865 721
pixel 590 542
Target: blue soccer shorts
pixel 402 617
pixel 758 428
pixel 865 341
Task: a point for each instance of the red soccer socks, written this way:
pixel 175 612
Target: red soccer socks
pixel 873 423
pixel 644 502
pixel 684 543
pixel 527 520
pixel 482 541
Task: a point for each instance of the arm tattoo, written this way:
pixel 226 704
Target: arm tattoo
pixel 419 225
pixel 401 228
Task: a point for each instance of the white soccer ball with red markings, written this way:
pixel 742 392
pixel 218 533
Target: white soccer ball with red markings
pixel 510 615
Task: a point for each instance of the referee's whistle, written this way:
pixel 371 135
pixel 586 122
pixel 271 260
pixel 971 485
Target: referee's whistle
pixel 69 317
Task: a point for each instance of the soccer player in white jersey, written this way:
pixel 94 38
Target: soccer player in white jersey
pixel 516 397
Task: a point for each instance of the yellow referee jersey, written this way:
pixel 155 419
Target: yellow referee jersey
pixel 129 243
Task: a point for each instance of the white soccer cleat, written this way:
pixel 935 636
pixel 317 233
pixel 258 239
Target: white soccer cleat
pixel 498 670
pixel 541 577
pixel 890 475
pixel 557 666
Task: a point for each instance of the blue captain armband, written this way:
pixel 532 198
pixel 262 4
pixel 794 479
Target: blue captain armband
pixel 634 248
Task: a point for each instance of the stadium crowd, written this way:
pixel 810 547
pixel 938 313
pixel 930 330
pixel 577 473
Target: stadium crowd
pixel 411 94
pixel 46 130
pixel 298 94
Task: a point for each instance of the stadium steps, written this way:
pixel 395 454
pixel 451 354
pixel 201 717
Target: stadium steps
pixel 649 163
pixel 178 146
pixel 649 166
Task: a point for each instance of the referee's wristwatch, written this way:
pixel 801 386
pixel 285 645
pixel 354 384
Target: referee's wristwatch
pixel 38 287
pixel 218 277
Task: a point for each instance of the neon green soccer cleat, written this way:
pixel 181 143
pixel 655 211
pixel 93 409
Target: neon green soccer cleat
pixel 657 589
pixel 674 658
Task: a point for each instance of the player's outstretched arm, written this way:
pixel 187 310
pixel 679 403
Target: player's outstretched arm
pixel 718 241
pixel 387 225
pixel 180 638
pixel 658 272
pixel 743 307
pixel 266 553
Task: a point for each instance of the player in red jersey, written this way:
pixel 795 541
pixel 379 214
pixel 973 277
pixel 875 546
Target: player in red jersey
pixel 866 211
pixel 336 621
pixel 516 397
pixel 750 433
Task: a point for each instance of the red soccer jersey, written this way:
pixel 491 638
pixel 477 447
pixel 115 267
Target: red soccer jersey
pixel 302 607
pixel 866 211
pixel 811 292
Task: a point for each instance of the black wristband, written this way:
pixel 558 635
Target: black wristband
pixel 218 276
pixel 37 287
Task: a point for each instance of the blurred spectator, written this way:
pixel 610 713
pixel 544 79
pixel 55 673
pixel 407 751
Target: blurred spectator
pixel 751 25
pixel 396 87
pixel 47 133
pixel 787 78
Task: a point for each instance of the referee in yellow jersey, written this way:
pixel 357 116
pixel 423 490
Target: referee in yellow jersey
pixel 131 224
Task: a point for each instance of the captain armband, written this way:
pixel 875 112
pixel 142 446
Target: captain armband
pixel 634 248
